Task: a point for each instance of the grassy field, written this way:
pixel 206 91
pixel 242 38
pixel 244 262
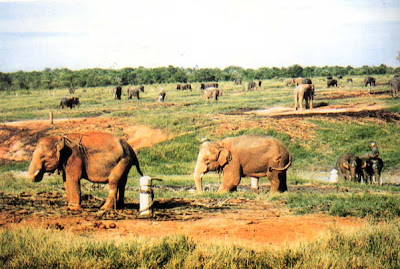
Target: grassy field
pixel 315 143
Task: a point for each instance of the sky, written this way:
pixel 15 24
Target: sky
pixel 73 34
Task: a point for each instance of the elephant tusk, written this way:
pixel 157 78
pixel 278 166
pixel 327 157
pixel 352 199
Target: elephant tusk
pixel 36 173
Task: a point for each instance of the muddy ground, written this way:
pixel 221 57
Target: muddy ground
pixel 239 221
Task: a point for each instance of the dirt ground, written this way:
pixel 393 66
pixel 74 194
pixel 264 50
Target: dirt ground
pixel 243 222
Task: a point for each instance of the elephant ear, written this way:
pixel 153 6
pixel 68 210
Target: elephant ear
pixel 346 165
pixel 224 156
pixel 60 144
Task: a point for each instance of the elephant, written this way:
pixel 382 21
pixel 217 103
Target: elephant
pixel 251 86
pixel 95 156
pixel 369 81
pixel 178 87
pixel 371 169
pixel 349 166
pixel 71 90
pixel 304 92
pixel 238 81
pixel 297 81
pixel 329 77
pixel 289 82
pixel 244 156
pixel 186 87
pixel 349 80
pixel 331 82
pixel 133 91
pixel 69 102
pixel 259 83
pixel 117 91
pixel 212 93
pixel 141 88
pixel 204 86
pixel 161 96
pixel 395 84
pixel 340 76
pixel 306 81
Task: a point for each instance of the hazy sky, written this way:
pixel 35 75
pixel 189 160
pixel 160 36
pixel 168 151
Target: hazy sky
pixel 208 33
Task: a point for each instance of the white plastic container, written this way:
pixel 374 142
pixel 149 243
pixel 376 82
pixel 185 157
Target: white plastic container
pixel 254 183
pixel 145 196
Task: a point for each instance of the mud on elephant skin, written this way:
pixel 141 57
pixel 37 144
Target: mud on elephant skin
pixel 244 156
pixel 95 156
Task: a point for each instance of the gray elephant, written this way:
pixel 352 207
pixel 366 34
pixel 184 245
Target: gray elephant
pixel 369 81
pixel 372 169
pixel 395 86
pixel 304 92
pixel 212 93
pixel 306 81
pixel 331 82
pixel 95 156
pixel 244 156
pixel 251 86
pixel 349 80
pixel 133 91
pixel 349 166
pixel 117 91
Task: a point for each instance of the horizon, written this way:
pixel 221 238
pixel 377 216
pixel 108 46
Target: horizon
pixel 77 35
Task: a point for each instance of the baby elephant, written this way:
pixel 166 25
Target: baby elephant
pixel 212 93
pixel 304 92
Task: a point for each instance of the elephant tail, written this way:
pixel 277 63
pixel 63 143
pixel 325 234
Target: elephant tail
pixel 283 168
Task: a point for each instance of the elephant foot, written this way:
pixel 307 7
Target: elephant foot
pixel 108 206
pixel 74 207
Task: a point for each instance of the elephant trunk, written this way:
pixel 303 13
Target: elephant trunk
pixel 35 172
pixel 198 174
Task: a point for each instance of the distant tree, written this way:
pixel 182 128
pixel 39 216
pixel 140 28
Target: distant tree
pixel 294 71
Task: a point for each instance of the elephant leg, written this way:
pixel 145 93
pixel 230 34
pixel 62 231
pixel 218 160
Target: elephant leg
pixel 116 175
pixel 73 190
pixel 278 181
pixel 301 98
pixel 311 103
pixel 121 191
pixel 231 180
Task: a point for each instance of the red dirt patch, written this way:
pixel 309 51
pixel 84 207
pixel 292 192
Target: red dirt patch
pixel 237 221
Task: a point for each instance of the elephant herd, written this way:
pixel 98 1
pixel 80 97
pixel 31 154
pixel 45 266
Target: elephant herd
pixel 366 169
pixel 103 158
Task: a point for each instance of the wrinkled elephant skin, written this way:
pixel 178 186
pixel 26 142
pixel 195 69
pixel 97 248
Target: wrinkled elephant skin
pixel 244 156
pixel 98 157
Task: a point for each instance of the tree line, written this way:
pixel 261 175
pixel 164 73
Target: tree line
pixel 94 77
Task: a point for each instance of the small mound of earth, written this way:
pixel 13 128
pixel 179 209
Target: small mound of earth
pixel 320 109
pixel 18 139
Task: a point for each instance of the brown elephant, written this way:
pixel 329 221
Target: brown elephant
pixel 161 96
pixel 95 156
pixel 244 156
pixel 297 81
pixel 212 93
pixel 304 92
